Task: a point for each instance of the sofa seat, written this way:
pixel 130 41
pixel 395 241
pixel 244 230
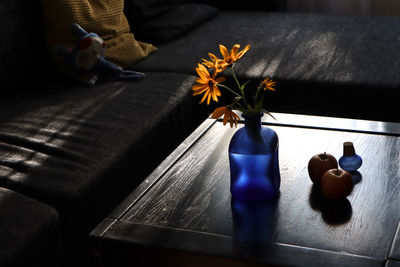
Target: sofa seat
pixel 83 149
pixel 324 64
pixel 29 231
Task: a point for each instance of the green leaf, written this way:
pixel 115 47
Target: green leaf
pixel 268 113
pixel 236 99
pixel 244 85
pixel 259 104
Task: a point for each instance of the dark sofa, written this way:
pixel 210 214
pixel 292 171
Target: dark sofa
pixel 69 153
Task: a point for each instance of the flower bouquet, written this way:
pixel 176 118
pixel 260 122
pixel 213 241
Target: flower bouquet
pixel 253 149
pixel 209 82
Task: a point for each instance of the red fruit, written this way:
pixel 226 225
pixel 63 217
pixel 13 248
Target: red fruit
pixel 319 164
pixel 336 184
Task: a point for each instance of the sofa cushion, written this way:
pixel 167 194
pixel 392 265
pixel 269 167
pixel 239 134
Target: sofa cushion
pixel 165 21
pixel 29 232
pixel 315 58
pixel 83 149
pixel 104 18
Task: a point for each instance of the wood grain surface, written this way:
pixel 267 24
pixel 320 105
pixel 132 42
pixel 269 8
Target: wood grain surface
pixel 193 195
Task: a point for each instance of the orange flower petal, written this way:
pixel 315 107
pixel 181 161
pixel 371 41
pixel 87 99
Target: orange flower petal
pixel 220 79
pixel 215 93
pixel 241 53
pixel 208 99
pixel 216 89
pixel 213 57
pixel 199 91
pixel 224 52
pixel 203 98
pixel 201 74
pixel 225 120
pixel 221 66
pixel 208 64
pixel 218 112
pixel 236 118
pixel 202 81
pixel 234 50
pixel 197 87
pixel 202 71
pixel 214 96
pixel 268 84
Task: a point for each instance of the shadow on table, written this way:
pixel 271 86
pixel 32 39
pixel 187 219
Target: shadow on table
pixel 333 212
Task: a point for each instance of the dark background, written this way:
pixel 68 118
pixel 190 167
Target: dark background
pixel 366 7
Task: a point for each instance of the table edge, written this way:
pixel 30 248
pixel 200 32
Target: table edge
pixel 331 123
pixel 228 247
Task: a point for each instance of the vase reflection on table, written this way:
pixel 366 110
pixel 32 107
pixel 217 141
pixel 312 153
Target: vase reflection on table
pixel 254 161
pixel 254 221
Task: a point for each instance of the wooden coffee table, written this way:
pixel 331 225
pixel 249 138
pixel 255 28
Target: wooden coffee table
pixel 183 215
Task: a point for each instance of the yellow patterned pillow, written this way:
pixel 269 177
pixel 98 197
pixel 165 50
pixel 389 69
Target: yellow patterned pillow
pixel 103 17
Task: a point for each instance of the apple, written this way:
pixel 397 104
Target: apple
pixel 336 184
pixel 319 164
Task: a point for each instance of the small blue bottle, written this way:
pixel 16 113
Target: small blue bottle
pixel 350 161
pixel 254 162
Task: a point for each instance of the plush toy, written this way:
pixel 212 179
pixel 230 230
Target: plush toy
pixel 87 59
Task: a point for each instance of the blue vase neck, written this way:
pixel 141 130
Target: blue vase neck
pixel 252 121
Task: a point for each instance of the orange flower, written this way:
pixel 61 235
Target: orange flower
pixel 218 65
pixel 229 115
pixel 268 84
pixel 207 84
pixel 229 57
pixel 208 64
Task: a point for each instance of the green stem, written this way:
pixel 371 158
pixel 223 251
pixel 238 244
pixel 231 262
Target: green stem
pixel 240 87
pixel 236 80
pixel 257 92
pixel 256 98
pixel 226 87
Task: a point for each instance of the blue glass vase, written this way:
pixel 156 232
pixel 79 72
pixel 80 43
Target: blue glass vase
pixel 350 161
pixel 254 162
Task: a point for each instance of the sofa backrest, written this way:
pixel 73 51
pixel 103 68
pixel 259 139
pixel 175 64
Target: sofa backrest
pixel 23 56
pixel 161 21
